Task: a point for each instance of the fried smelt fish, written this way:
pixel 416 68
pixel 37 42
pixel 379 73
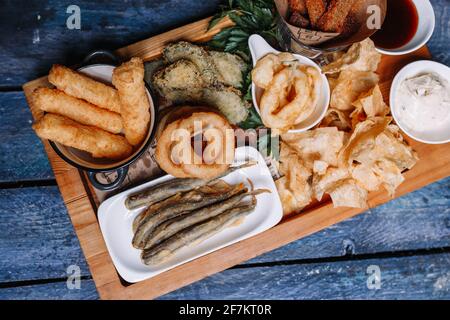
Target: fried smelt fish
pixel 55 101
pixel 169 188
pixel 99 143
pixel 333 20
pixel 135 106
pixel 176 206
pixel 170 227
pixel 80 86
pixel 196 234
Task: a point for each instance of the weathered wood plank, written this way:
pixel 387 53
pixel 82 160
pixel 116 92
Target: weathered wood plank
pixel 415 277
pixel 37 240
pixel 22 155
pixel 35 35
pixel 51 291
pixel 419 220
pixel 439 44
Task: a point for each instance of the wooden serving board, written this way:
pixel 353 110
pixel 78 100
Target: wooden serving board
pixel 82 205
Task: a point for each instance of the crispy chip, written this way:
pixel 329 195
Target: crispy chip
pixel 350 85
pixel 324 183
pixel 294 188
pixel 366 177
pixel 349 194
pixel 361 56
pixel 337 118
pixel 390 175
pixel 320 144
pixel 368 105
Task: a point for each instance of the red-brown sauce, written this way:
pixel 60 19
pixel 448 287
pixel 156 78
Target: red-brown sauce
pixel 400 25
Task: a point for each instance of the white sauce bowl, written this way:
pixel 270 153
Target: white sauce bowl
pixel 432 135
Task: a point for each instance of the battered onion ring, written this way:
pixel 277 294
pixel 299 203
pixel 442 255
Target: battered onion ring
pixel 291 97
pixel 266 68
pixel 178 157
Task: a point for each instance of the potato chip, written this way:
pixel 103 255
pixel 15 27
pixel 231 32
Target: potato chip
pixel 294 188
pixel 360 145
pixel 368 105
pixel 349 194
pixel 324 183
pixel 361 56
pixel 390 175
pixel 320 144
pixel 337 118
pixel 350 85
pixel 365 177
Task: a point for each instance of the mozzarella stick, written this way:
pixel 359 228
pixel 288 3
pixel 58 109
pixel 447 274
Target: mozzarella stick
pixel 80 86
pixel 99 143
pixel 55 101
pixel 135 106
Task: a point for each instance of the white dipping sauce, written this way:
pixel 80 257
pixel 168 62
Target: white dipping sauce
pixel 424 102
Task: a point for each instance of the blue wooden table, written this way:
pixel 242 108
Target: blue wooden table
pixel 406 240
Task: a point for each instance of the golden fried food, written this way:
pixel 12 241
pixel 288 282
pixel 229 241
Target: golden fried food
pixel 291 90
pixel 266 68
pixel 176 155
pixel 361 56
pixel 135 106
pixel 334 18
pixel 316 9
pixel 55 101
pixel 99 143
pixel 299 6
pixel 80 86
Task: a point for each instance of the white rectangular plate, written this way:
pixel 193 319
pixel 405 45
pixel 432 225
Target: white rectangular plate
pixel 116 221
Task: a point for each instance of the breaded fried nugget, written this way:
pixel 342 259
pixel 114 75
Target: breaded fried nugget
pixel 55 101
pixel 298 20
pixel 333 20
pixel 135 106
pixel 80 86
pixel 99 143
pixel 316 9
pixel 299 6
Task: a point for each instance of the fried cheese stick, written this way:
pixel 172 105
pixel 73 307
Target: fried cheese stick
pixel 99 143
pixel 55 101
pixel 80 86
pixel 135 106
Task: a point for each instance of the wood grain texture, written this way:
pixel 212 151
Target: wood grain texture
pixel 410 277
pixel 22 156
pixel 34 33
pixel 415 277
pixel 292 228
pixel 37 240
pixel 439 46
pixel 51 291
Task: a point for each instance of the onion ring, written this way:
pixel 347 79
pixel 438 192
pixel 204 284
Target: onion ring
pixel 176 155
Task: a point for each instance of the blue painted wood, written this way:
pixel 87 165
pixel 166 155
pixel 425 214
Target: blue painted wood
pixel 415 277
pixel 418 220
pixel 35 38
pixel 35 35
pixel 22 156
pixel 51 291
pixel 37 240
pixel 36 218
